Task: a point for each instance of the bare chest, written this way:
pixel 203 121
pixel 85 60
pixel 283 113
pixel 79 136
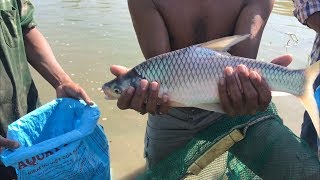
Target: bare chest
pixel 195 21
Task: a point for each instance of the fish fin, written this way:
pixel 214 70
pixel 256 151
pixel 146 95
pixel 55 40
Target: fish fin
pixel 225 43
pixel 216 107
pixel 225 53
pixel 278 93
pixel 308 99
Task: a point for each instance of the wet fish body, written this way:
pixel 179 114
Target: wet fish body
pixel 190 76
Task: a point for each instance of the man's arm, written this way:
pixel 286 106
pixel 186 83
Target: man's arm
pixel 253 94
pixel 150 28
pixel 41 57
pixel 153 38
pixel 313 21
pixel 252 20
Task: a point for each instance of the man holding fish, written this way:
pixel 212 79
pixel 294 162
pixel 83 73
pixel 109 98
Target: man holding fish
pixel 240 87
pixel 308 13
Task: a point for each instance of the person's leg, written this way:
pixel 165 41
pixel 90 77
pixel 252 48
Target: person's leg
pixel 167 133
pixel 308 132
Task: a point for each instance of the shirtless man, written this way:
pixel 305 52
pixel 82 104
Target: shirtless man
pixel 167 25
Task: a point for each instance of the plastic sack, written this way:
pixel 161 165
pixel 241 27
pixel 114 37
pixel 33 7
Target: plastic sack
pixel 317 96
pixel 59 140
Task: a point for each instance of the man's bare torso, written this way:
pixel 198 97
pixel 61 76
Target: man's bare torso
pixel 195 21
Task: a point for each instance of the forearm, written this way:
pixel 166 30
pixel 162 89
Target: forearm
pixel 314 22
pixel 249 48
pixel 252 20
pixel 41 58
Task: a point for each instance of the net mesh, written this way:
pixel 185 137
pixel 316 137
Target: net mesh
pixel 269 150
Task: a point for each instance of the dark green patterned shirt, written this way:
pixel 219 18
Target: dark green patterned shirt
pixel 18 94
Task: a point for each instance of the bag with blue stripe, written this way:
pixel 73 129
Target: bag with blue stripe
pixel 59 140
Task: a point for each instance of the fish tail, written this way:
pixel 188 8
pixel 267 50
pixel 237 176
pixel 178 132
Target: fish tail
pixel 308 98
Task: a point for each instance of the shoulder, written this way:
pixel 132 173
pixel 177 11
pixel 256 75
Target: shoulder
pixel 141 4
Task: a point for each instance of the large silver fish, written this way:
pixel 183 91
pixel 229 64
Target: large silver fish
pixel 190 76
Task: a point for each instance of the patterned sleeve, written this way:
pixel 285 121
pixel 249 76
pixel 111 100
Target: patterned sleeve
pixel 26 15
pixel 305 8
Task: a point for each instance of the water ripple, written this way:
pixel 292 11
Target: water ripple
pixel 283 7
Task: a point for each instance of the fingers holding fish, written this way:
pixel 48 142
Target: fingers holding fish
pixel 239 96
pixel 224 97
pixel 133 98
pixel 263 90
pixel 124 100
pixel 283 60
pixel 164 106
pixel 152 101
pixel 139 97
pixel 144 99
pixel 250 94
pixel 235 95
pixel 156 105
pixel 118 70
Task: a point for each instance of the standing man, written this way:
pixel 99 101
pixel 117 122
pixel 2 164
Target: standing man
pixel 308 13
pixel 164 26
pixel 20 43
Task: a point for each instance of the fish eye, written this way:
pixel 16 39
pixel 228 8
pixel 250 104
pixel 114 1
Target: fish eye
pixel 117 90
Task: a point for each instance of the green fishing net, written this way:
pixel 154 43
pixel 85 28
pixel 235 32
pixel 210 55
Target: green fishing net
pixel 241 148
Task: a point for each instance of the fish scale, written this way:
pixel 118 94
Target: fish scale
pixel 197 70
pixel 190 77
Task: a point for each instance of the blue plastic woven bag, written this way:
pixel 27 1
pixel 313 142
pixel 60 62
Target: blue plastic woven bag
pixel 59 140
pixel 317 96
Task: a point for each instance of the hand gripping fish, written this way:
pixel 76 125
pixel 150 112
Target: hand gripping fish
pixel 190 76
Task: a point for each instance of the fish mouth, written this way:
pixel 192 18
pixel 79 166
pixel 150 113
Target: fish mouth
pixel 108 95
pixel 109 98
